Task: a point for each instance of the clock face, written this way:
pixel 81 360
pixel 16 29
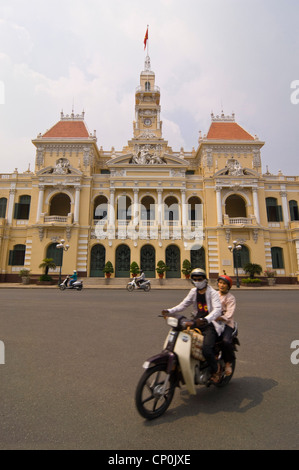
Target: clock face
pixel 147 122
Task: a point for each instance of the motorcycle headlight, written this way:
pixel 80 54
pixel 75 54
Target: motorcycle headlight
pixel 172 321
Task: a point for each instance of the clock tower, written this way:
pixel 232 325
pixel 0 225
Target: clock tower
pixel 147 105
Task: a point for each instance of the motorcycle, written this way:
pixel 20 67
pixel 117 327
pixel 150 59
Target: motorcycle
pixel 175 366
pixel 78 285
pixel 145 285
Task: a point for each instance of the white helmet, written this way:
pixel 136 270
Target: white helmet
pixel 198 272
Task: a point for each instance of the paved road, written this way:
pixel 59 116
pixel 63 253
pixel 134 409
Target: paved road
pixel 73 359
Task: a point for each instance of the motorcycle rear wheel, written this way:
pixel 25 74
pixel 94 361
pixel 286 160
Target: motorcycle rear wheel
pixel 147 288
pixel 151 401
pixel 130 288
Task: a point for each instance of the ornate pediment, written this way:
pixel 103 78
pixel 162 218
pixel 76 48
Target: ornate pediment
pixel 62 167
pixel 233 168
pixel 147 155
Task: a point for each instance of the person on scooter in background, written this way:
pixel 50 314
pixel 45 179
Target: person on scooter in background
pixel 73 278
pixel 228 303
pixel 140 278
pixel 207 309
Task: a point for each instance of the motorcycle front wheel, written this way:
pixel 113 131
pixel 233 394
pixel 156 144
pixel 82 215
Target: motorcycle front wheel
pixel 62 287
pixel 130 287
pixel 151 399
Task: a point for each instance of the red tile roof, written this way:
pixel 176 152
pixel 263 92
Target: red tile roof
pixel 228 131
pixel 68 129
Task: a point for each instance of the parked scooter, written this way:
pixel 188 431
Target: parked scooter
pixel 144 285
pixel 175 366
pixel 78 285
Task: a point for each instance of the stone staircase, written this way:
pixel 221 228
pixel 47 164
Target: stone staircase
pixel 121 282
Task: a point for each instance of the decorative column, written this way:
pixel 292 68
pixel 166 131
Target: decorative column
pixel 11 202
pixel 256 205
pixel 135 207
pixel 77 204
pixel 40 202
pixel 184 213
pixel 160 208
pixel 285 211
pixel 111 212
pixel 219 205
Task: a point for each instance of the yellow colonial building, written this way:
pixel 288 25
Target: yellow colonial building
pixel 147 202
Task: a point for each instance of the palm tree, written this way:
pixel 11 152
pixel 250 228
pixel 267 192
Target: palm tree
pixel 47 264
pixel 252 269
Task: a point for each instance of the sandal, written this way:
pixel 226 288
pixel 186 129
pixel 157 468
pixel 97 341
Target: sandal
pixel 216 376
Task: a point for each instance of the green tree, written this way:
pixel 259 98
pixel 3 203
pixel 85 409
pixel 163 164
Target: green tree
pixel 47 264
pixel 252 269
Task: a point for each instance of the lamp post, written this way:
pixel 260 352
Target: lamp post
pixel 235 249
pixel 63 247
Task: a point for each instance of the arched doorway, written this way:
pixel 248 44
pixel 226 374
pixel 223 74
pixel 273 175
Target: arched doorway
pixel 97 260
pixel 198 257
pixel 241 257
pixel 173 261
pixel 148 260
pixel 122 261
pixel 55 253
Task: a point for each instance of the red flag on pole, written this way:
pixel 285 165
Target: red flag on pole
pixel 145 38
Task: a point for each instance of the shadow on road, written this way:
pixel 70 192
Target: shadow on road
pixel 241 395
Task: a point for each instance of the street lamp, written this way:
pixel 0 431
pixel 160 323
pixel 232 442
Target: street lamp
pixel 63 247
pixel 235 249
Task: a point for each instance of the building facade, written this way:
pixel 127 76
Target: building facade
pixel 147 202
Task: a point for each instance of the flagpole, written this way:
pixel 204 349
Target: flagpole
pixel 147 40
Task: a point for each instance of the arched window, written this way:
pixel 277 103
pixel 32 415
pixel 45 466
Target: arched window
pixel 3 204
pixel 100 208
pixel 124 209
pixel 274 212
pixel 294 210
pixel 195 213
pixel 60 205
pixel 17 255
pixel 235 206
pixel 171 209
pixel 277 257
pixel 147 208
pixel 147 86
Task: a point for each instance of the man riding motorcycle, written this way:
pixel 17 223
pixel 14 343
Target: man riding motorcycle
pixel 207 309
pixel 140 278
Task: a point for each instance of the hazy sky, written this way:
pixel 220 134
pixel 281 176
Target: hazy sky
pixel 238 56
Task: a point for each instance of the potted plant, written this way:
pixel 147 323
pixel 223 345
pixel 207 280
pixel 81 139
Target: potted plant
pixel 24 275
pixel 186 268
pixel 108 269
pixel 134 269
pixel 270 275
pixel 161 269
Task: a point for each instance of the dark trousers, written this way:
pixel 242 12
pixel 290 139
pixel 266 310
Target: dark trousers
pixel 210 337
pixel 227 344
